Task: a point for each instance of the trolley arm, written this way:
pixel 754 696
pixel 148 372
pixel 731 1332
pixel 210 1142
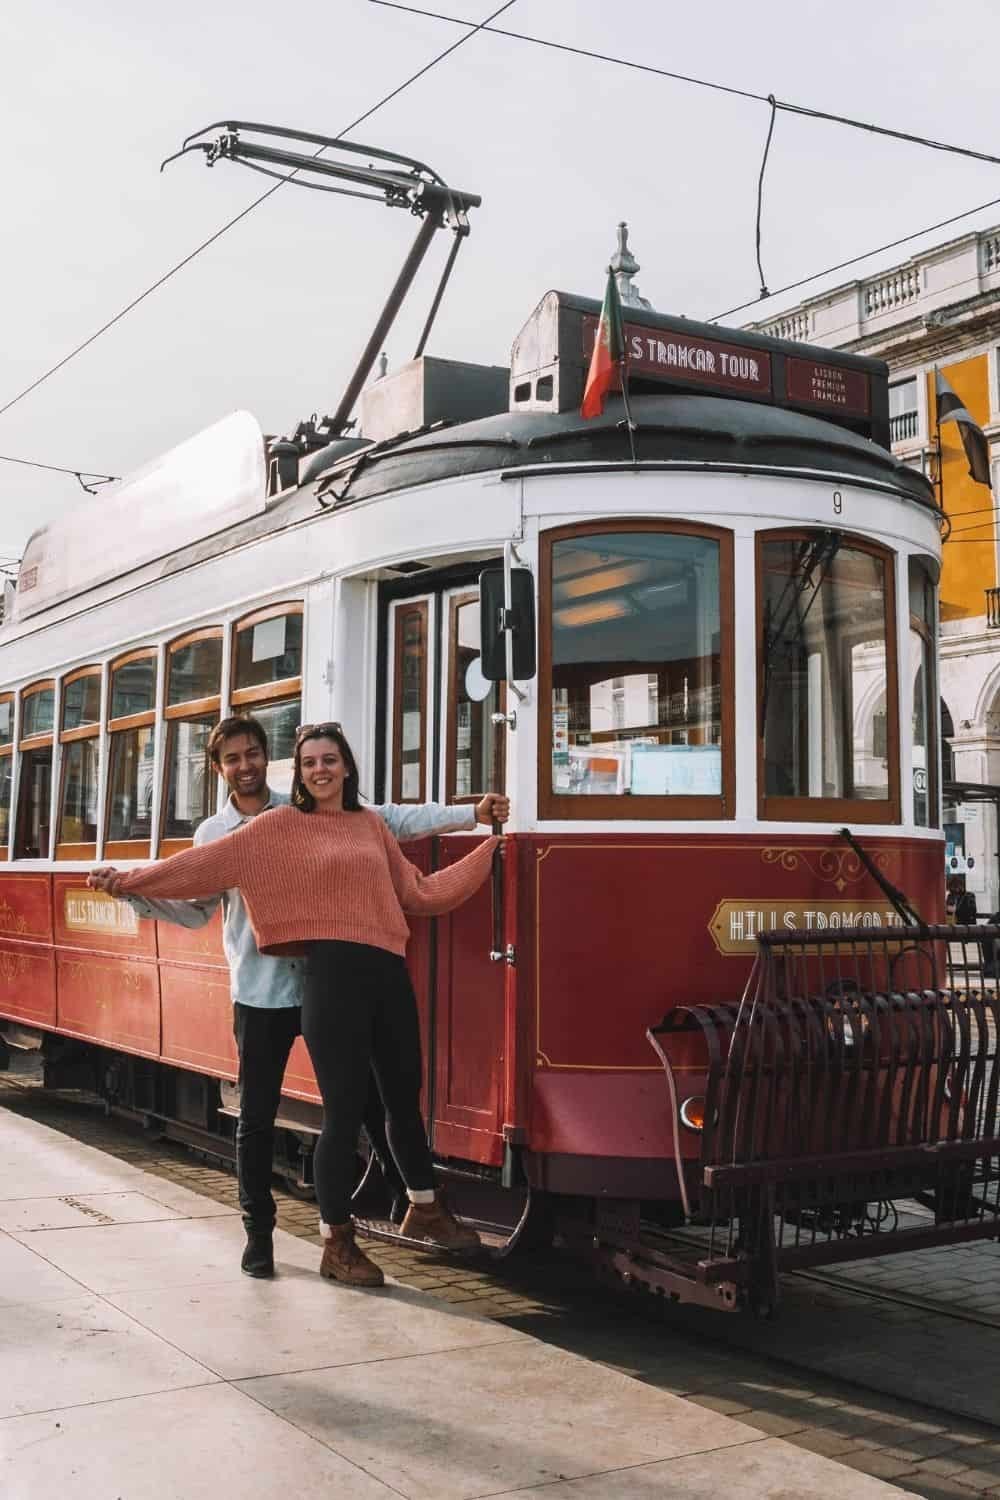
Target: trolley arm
pixel 420 189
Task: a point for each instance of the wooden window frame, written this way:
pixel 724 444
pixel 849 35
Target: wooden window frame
pixel 834 809
pixel 927 635
pixel 455 603
pixel 563 807
pixel 38 741
pixel 192 708
pixel 148 715
pixel 285 687
pixel 7 752
pixel 126 848
pixel 10 744
pixel 402 609
pixel 64 849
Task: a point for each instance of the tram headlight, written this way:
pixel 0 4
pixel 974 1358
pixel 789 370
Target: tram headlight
pixel 693 1112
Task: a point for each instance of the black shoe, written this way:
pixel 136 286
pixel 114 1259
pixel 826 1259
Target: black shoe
pixel 258 1257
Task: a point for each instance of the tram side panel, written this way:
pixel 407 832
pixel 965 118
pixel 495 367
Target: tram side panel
pixel 469 1021
pixel 106 969
pixel 195 1006
pixel 616 931
pixel 27 953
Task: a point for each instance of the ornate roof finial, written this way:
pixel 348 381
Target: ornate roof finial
pixel 383 365
pixel 624 266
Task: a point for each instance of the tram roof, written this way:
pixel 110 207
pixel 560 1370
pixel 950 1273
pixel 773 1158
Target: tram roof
pixel 206 484
pixel 675 430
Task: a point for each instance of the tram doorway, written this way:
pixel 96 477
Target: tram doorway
pixel 436 742
pixel 971 821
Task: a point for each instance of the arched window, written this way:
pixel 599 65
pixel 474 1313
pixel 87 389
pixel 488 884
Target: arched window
pixel 636 671
pixel 80 738
pixel 827 642
pixel 947 735
pixel 34 804
pixel 6 767
pixel 131 719
pixel 194 680
pixel 267 680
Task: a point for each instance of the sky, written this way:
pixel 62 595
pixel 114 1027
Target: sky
pixel 273 317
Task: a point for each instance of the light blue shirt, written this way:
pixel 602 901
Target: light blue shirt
pixel 256 978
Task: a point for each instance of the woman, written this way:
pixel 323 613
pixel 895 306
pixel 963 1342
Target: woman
pixel 325 877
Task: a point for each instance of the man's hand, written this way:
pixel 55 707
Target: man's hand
pixel 494 808
pixel 106 879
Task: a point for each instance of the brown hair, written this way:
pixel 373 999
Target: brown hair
pixel 228 729
pixel 303 799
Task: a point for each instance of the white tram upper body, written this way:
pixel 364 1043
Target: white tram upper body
pixel 735 658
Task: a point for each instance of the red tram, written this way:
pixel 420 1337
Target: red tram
pixel 735 658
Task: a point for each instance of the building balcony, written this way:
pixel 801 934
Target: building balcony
pixel 929 285
pixel 993 609
pixel 903 427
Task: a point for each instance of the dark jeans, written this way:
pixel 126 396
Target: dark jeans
pixel 263 1040
pixel 359 1015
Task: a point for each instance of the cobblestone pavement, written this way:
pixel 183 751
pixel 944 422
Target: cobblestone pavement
pixel 779 1377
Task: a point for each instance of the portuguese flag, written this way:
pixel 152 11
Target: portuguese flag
pixel 608 359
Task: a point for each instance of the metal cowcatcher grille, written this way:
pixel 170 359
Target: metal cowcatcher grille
pixel 849 1104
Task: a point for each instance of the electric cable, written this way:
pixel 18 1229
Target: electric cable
pixel 705 83
pixel 31 463
pixel 474 29
pixel 775 104
pixel 842 265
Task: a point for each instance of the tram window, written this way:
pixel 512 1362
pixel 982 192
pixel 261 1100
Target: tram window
pixel 637 670
pixel 191 780
pixel 409 719
pixel 472 767
pixel 826 676
pixel 195 670
pixel 281 722
pixel 924 766
pixel 6 784
pixel 133 687
pixel 268 650
pixel 37 712
pixel 81 702
pixel 34 802
pixel 78 810
pixel 130 784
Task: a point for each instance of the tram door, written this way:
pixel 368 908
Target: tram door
pixel 441 745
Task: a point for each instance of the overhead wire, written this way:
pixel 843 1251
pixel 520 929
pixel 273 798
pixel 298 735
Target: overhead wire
pixel 842 265
pixel 31 463
pixel 704 83
pixel 775 105
pixel 474 29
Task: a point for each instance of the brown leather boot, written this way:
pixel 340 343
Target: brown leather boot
pixel 343 1261
pixel 435 1225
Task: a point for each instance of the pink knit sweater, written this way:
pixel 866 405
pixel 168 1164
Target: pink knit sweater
pixel 309 876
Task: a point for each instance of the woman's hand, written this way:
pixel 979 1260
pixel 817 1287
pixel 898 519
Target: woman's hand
pixel 493 808
pixel 105 878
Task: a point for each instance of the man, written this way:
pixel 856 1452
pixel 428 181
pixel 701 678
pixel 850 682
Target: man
pixel 266 991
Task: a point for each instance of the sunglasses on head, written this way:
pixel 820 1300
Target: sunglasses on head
pixel 308 731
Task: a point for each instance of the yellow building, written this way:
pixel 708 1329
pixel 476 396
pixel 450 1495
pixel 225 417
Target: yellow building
pixel 941 310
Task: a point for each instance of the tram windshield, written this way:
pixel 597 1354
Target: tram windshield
pixel 824 672
pixel 636 665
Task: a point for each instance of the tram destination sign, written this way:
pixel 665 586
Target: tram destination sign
pixel 734 925
pixel 668 355
pixel 810 382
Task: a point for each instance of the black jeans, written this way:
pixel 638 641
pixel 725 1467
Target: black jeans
pixel 263 1040
pixel 359 1015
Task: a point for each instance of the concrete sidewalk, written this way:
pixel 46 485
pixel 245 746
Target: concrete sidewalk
pixel 137 1363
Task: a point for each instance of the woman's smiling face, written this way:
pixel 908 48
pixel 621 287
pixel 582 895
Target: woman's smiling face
pixel 323 771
